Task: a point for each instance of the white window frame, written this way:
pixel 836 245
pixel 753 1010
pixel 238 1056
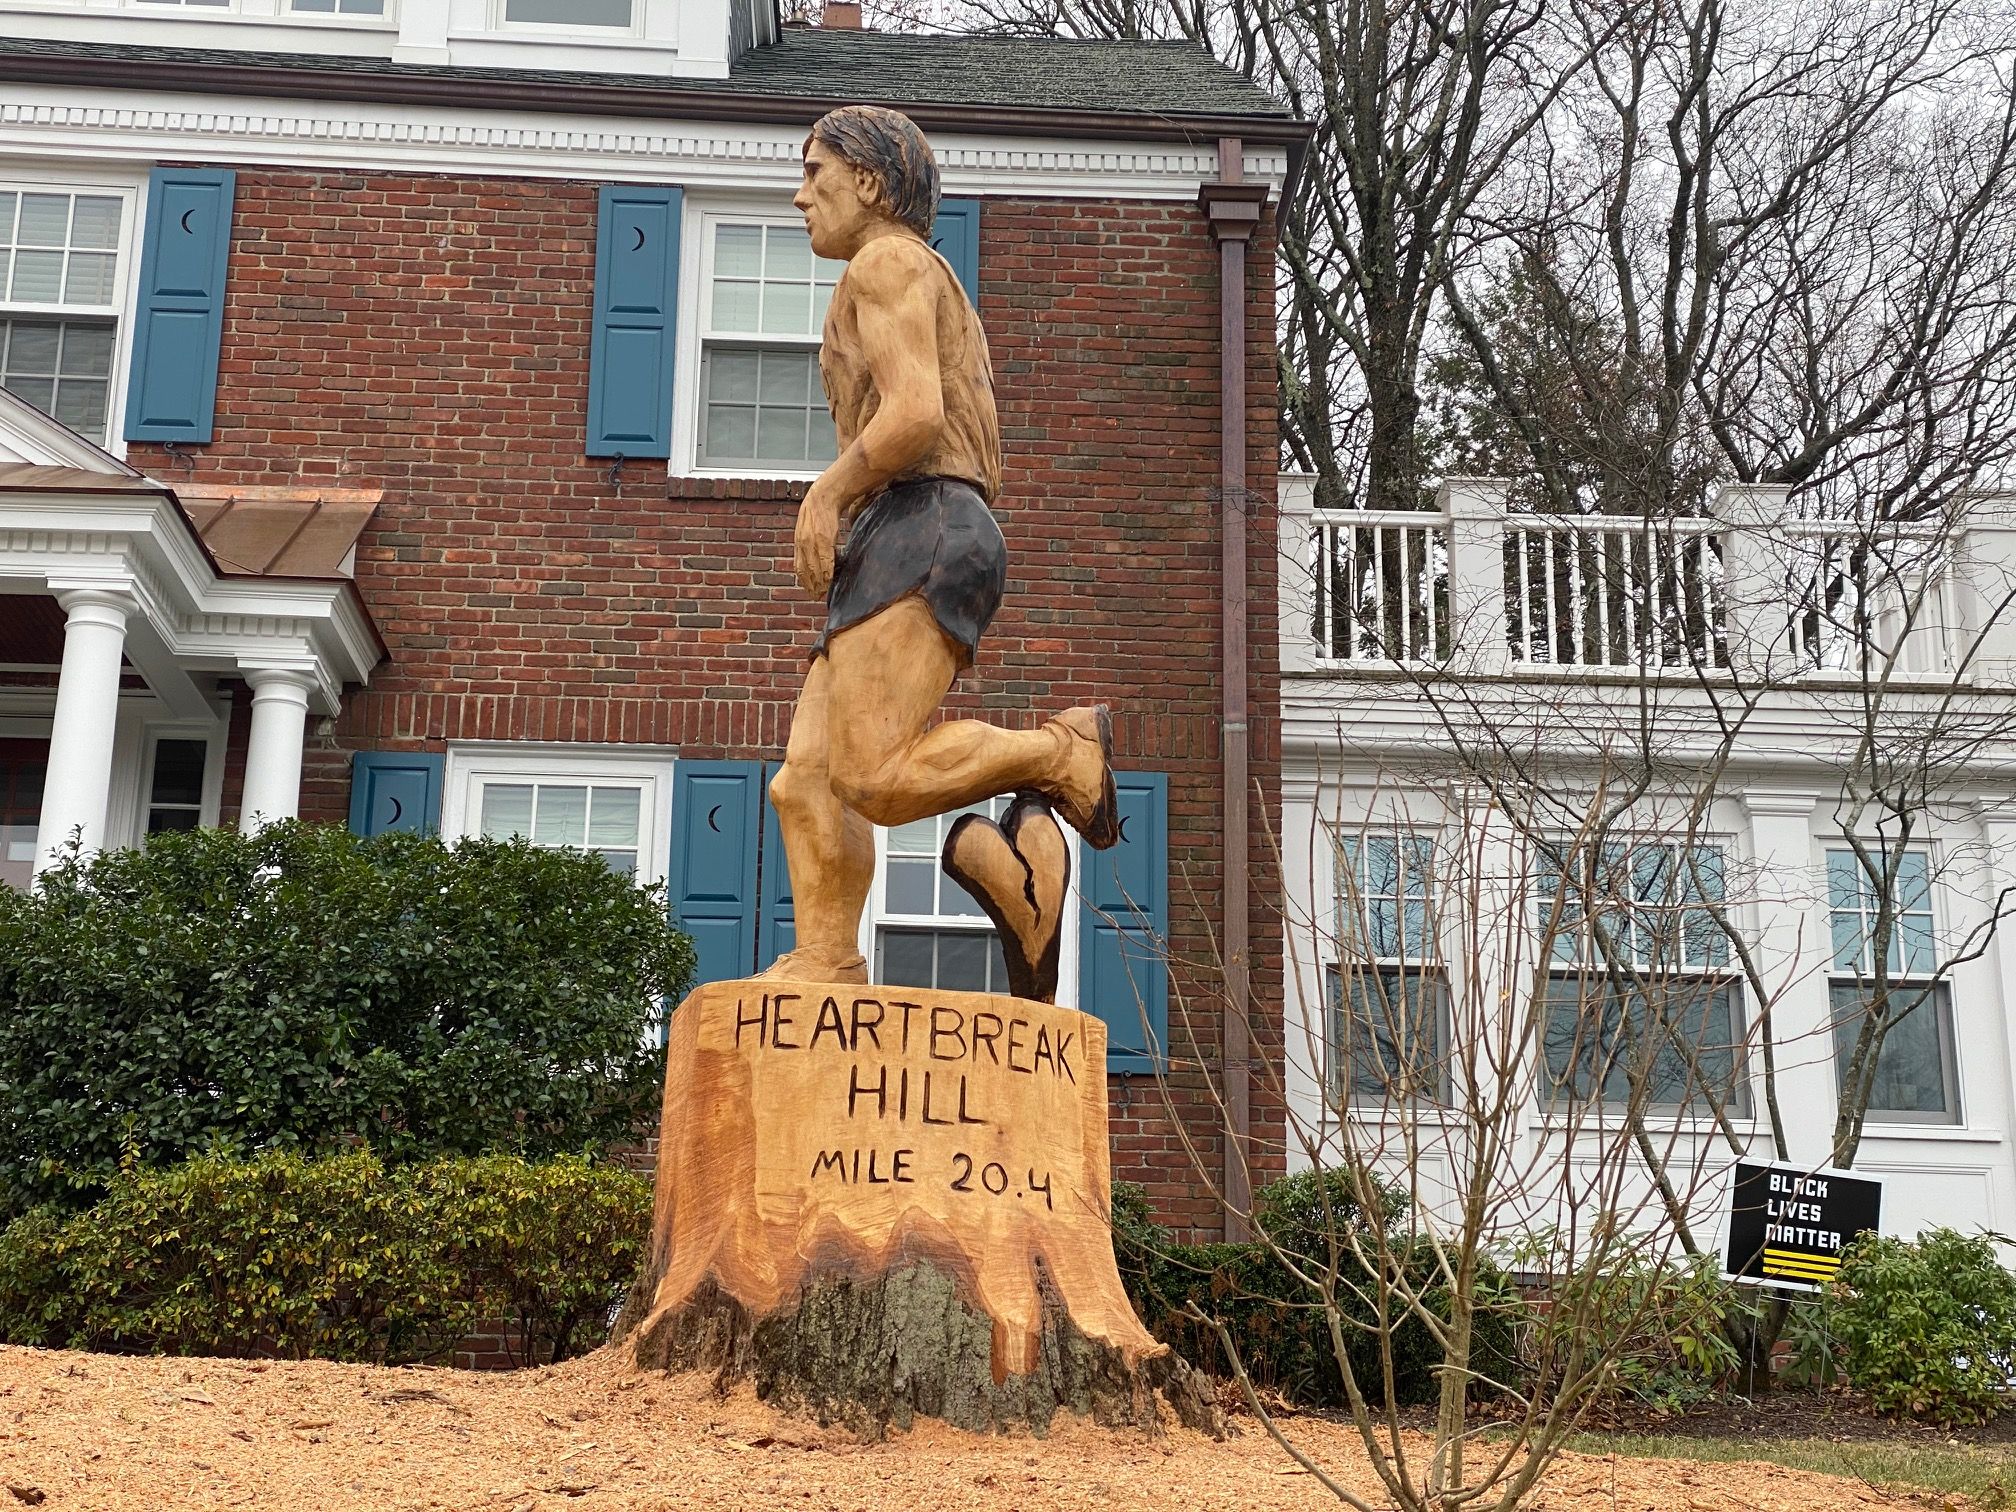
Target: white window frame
pixel 696 272
pixel 1943 1005
pixel 570 31
pixel 80 179
pixel 1432 965
pixel 386 20
pixel 212 736
pixel 1725 978
pixel 877 914
pixel 472 764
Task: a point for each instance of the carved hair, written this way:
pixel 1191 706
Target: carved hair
pixel 887 145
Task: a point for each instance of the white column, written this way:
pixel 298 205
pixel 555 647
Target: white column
pixel 1791 949
pixel 273 757
pixel 79 783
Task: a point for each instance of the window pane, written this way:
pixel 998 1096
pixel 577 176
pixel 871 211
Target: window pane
pixel 955 902
pixel 787 254
pixel 80 404
pixel 1386 1038
pixel 507 810
pixel 787 309
pixel 38 277
pixel 731 376
pixel 95 222
pixel 621 862
pixel 731 432
pixel 784 378
pixel 45 220
pixel 904 958
pixel 910 885
pixel 1673 1045
pixel 569 12
pixel 1914 1073
pixel 823 442
pixel 613 817
pixel 780 435
pixel 91 279
pixel 735 306
pixel 87 350
pixel 738 252
pixel 164 819
pixel 918 838
pixel 561 816
pixel 32 348
pixel 178 771
pixel 8 201
pixel 962 962
pixel 40 392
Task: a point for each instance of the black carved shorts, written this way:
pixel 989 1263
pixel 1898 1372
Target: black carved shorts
pixel 934 537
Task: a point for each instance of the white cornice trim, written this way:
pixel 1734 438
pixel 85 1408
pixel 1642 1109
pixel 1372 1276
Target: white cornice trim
pixel 144 126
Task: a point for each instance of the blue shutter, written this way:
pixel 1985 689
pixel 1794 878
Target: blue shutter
pixel 636 298
pixel 395 790
pixel 1123 932
pixel 715 822
pixel 776 925
pixel 956 235
pixel 178 318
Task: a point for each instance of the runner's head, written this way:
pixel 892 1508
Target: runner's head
pixel 887 146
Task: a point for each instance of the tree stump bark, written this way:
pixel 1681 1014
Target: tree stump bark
pixel 880 1202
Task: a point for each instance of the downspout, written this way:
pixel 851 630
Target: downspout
pixel 1233 208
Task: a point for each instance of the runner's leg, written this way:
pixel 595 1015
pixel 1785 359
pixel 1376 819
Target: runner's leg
pixel 889 674
pixel 830 847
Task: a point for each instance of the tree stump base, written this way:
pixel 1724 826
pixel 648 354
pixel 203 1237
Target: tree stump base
pixel 877 1203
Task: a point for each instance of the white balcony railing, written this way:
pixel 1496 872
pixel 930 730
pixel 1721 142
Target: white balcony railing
pixel 1472 588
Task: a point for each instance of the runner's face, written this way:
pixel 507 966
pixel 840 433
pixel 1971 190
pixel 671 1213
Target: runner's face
pixel 836 202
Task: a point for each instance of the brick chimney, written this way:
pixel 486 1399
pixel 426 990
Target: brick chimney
pixel 841 15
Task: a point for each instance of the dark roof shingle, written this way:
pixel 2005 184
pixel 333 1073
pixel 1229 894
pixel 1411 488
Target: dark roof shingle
pixel 1159 79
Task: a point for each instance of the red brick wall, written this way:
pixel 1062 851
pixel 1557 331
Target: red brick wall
pixel 429 336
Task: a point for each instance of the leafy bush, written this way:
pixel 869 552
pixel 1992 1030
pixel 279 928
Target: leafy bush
pixel 1927 1328
pixel 1654 1332
pixel 1276 1319
pixel 337 1258
pixel 302 987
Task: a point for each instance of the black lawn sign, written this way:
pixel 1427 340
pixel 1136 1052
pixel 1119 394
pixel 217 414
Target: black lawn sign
pixel 1788 1225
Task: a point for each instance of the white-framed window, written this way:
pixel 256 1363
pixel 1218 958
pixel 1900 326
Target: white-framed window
pixel 611 801
pixel 1917 1076
pixel 65 269
pixel 1642 1007
pixel 566 15
pixel 213 5
pixel 371 8
pixel 922 929
pixel 750 402
pixel 1388 992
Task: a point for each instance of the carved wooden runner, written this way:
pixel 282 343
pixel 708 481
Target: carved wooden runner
pixel 881 1201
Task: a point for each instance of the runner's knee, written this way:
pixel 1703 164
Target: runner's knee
pixel 873 792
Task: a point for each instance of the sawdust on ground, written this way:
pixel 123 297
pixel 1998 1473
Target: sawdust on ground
pixel 114 1434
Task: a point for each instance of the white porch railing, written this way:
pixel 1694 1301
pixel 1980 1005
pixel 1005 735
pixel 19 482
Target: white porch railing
pixel 1381 587
pixel 1745 591
pixel 1605 592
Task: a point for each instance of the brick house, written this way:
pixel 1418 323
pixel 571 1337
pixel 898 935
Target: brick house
pixel 437 382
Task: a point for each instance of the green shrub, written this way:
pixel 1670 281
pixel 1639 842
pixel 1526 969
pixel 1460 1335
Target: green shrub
pixel 1653 1331
pixel 302 987
pixel 1276 1319
pixel 1927 1328
pixel 336 1258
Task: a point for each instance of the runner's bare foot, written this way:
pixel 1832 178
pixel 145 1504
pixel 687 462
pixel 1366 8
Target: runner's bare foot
pixel 813 964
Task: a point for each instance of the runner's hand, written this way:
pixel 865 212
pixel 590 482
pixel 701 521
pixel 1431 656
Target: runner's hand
pixel 813 542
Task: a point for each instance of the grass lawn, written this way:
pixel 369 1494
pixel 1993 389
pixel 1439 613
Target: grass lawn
pixel 1985 1473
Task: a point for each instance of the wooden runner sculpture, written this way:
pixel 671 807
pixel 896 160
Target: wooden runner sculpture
pixel 882 1201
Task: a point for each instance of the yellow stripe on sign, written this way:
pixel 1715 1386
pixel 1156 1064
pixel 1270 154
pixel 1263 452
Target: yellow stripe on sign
pixel 1780 1262
pixel 1802 1257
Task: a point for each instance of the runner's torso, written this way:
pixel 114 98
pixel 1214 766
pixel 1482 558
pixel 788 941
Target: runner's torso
pixel 969 446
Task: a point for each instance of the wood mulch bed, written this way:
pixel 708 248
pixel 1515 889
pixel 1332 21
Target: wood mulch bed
pixel 116 1434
